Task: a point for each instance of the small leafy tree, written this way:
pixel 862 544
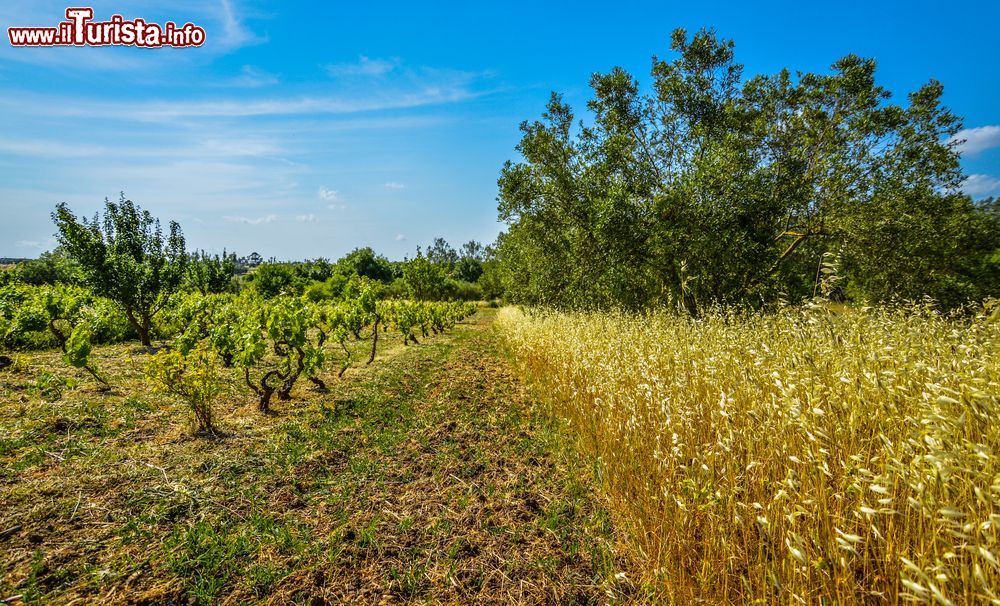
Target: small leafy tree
pixel 76 352
pixel 279 327
pixel 424 279
pixel 125 257
pixel 273 279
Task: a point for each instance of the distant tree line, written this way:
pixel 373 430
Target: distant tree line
pixel 125 256
pixel 440 274
pixel 713 188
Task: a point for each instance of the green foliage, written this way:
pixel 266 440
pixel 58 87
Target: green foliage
pixel 125 257
pixel 460 290
pixel 491 280
pixel 331 289
pixel 364 262
pixel 712 188
pixel 60 315
pixel 211 274
pixel 49 268
pixel 274 341
pixel 409 317
pixel 468 269
pixel 273 279
pixel 423 278
pixel 398 289
pixel 50 386
pixel 77 354
pixel 191 375
pixel 442 254
pixel 78 348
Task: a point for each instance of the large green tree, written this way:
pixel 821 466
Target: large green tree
pixel 424 279
pixel 712 187
pixel 125 257
pixel 364 262
pixel 211 273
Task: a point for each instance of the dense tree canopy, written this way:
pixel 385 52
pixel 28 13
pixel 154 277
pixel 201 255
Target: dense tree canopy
pixel 715 188
pixel 364 262
pixel 54 267
pixel 125 257
pixel 211 273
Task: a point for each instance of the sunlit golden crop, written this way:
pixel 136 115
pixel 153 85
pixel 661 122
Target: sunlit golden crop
pixel 805 456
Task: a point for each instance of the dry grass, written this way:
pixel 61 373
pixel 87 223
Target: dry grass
pixel 801 457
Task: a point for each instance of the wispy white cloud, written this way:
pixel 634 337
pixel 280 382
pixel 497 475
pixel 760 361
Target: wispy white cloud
pixel 363 67
pixel 329 195
pixel 233 108
pixel 400 238
pixel 252 221
pixel 49 148
pixel 46 244
pixel 238 145
pixel 235 34
pixel 229 146
pixel 976 140
pixel 981 186
pixel 253 77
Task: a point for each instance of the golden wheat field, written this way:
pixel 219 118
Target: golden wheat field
pixel 803 456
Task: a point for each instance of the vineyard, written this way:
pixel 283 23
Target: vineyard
pixel 284 451
pixel 273 342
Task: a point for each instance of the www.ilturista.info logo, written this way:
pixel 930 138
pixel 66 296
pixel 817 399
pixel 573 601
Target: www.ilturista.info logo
pixel 79 29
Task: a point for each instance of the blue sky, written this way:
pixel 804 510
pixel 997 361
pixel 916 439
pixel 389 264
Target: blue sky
pixel 302 130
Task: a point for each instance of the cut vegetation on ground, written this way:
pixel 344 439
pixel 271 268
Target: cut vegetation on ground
pixel 423 478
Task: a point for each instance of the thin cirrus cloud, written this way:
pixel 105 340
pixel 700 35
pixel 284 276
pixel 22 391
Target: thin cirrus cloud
pixel 252 221
pixel 364 67
pixel 253 77
pixel 235 33
pixel 972 141
pixel 400 238
pixel 981 186
pixel 329 195
pixel 153 111
pixel 236 147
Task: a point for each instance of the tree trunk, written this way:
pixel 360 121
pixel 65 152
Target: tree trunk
pixel 144 333
pixel 371 358
pixel 285 393
pixel 141 328
pixel 58 334
pixel 263 391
